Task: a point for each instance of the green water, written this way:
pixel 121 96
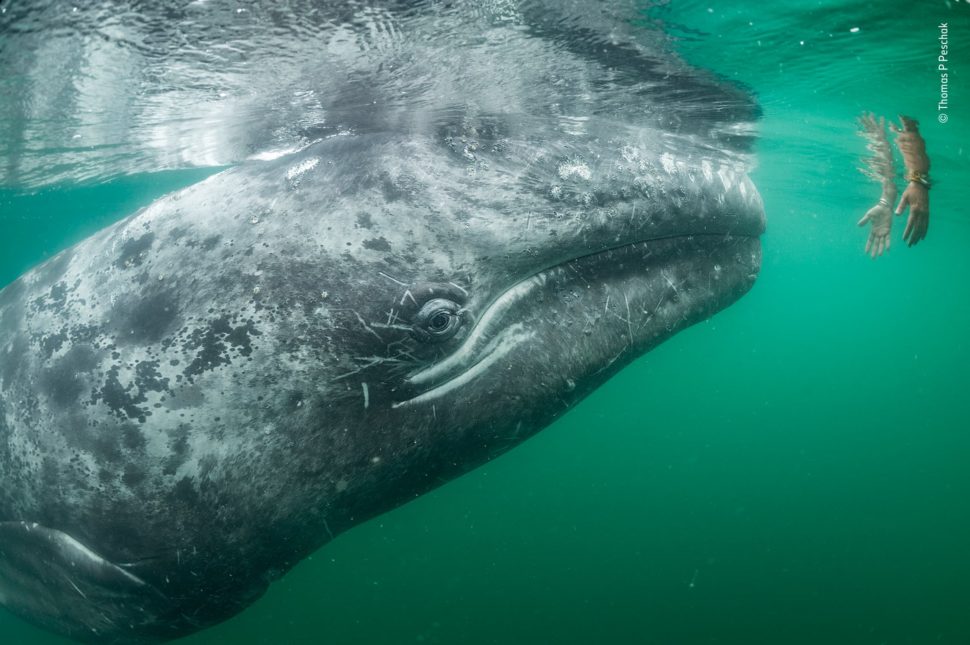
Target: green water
pixel 794 471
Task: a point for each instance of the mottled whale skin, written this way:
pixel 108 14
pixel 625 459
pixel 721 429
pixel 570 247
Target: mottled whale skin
pixel 197 397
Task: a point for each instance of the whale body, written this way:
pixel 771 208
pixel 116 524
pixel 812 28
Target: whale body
pixel 482 214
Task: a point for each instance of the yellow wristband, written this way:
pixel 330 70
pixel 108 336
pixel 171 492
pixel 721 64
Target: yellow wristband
pixel 920 178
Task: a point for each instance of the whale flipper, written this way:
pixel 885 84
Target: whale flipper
pixel 52 577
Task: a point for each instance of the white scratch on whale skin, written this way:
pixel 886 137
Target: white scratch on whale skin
pixel 76 588
pixel 403 284
pixel 407 294
pixel 366 326
pixel 366 395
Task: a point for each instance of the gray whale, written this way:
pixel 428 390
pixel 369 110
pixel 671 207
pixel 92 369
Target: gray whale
pixel 197 397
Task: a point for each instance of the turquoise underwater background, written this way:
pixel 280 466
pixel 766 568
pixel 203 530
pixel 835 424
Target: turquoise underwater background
pixel 795 470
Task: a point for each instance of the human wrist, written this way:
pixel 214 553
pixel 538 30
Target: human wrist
pixel 889 193
pixel 916 178
pixel 916 159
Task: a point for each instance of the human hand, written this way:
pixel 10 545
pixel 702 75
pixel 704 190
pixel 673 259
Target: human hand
pixel 879 165
pixel 881 219
pixel 917 198
pixel 875 128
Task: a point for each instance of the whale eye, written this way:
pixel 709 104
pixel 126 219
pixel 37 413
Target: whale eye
pixel 437 320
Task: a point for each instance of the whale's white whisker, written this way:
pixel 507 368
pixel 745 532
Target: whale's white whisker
pixel 408 294
pixel 76 588
pixel 629 325
pixel 403 284
pixel 390 326
pixel 367 326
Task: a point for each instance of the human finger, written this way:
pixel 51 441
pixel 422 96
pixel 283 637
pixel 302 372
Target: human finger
pixel 914 238
pixel 865 218
pixel 910 223
pixel 903 201
pixel 919 230
pixel 869 246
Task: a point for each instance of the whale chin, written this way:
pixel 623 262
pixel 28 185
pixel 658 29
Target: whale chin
pixel 659 287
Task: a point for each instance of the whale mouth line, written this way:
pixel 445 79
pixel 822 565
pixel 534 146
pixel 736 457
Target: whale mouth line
pixel 491 339
pixel 498 349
